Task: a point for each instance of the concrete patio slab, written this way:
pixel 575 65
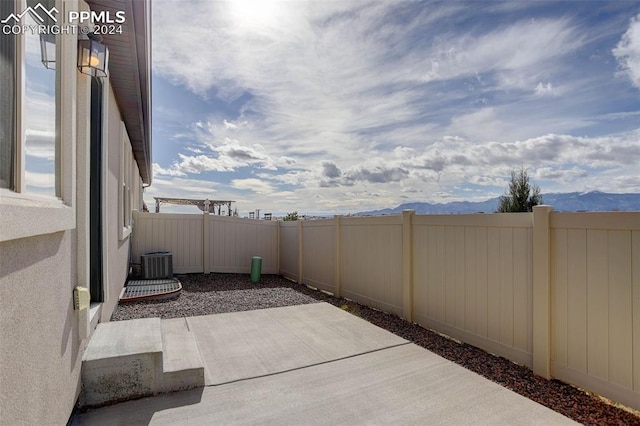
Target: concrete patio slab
pixel 355 373
pixel 243 345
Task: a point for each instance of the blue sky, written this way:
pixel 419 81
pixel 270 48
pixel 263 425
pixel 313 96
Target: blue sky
pixel 345 106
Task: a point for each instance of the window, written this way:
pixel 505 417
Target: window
pixel 29 146
pixel 37 137
pixel 39 115
pixel 7 102
pixel 126 179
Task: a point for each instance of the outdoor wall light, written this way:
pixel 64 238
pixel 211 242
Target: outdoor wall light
pixel 48 50
pixel 93 56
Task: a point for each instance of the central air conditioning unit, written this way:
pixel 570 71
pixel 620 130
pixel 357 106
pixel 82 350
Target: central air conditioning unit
pixel 157 265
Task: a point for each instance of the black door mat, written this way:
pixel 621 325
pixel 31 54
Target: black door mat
pixel 150 289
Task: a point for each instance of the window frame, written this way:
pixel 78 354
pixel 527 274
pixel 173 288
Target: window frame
pixel 9 42
pixel 27 214
pixel 124 184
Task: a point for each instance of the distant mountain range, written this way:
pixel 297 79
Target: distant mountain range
pixel 570 202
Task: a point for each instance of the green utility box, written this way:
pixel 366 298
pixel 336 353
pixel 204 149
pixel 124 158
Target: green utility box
pixel 256 268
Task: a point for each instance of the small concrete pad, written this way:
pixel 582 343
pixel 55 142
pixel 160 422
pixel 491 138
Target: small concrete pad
pixel 241 345
pixel 120 338
pixel 400 385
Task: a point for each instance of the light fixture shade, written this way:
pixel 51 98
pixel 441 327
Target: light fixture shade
pixel 93 58
pixel 48 50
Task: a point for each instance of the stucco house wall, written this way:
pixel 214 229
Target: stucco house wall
pixel 116 248
pixel 40 349
pixel 44 246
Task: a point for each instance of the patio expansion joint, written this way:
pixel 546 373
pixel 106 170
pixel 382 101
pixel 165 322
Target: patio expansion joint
pixel 310 365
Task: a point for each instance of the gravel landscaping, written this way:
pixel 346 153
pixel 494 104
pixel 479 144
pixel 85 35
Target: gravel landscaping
pixel 220 293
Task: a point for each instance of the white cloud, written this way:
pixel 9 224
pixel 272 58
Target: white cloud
pixel 560 175
pixel 39 120
pixel 620 115
pixel 299 178
pixel 544 90
pixel 437 169
pixel 255 185
pixel 40 144
pixel 356 104
pixel 160 171
pixel 454 160
pixel 219 152
pixel 203 163
pixel 40 180
pixel 318 75
pixel 627 52
pixel 518 53
pixel 184 186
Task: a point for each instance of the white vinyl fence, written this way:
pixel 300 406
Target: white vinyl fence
pixel 473 280
pixel 557 292
pixel 595 302
pixel 207 243
pixel 181 234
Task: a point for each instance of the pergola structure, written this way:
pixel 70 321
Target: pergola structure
pixel 204 205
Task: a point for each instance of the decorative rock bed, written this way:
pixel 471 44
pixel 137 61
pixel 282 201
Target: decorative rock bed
pixel 220 293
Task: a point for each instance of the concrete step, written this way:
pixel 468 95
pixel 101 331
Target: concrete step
pixel 132 359
pixel 183 367
pixel 121 361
